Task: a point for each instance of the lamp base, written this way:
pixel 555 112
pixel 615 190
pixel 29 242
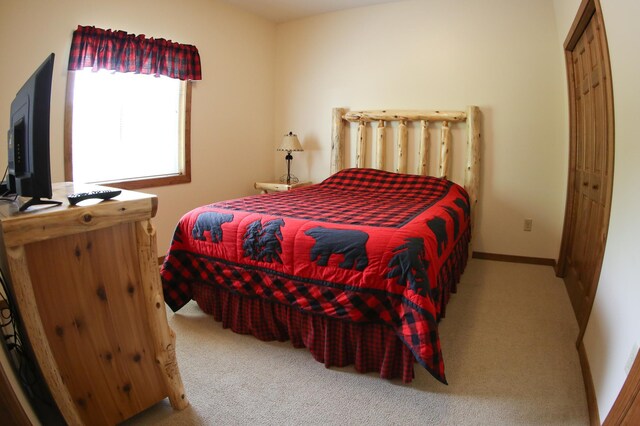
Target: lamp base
pixel 291 179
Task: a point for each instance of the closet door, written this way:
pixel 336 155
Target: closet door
pixel 591 168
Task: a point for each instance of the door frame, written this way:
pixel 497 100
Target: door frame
pixel 626 408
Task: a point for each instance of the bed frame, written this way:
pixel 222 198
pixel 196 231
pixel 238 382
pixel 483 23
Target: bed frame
pixel 343 119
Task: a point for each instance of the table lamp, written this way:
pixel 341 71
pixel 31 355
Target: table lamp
pixel 289 143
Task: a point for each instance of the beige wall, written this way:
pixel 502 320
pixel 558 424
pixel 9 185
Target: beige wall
pixel 613 327
pixel 501 55
pixel 232 118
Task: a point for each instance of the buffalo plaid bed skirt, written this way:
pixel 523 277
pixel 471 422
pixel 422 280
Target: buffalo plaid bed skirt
pixel 368 347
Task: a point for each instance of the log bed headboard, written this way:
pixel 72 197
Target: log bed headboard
pixel 342 118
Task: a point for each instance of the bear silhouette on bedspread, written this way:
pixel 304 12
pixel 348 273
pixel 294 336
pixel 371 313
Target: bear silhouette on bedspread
pixel 348 242
pixel 212 222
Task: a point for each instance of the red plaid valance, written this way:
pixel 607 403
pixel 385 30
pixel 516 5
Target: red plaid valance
pixel 118 51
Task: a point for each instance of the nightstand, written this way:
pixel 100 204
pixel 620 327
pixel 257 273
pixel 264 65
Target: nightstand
pixel 265 187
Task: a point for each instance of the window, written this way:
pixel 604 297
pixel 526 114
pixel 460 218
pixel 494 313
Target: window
pixel 128 130
pixel 127 124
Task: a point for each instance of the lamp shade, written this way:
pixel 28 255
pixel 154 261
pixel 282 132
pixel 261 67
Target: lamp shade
pixel 290 143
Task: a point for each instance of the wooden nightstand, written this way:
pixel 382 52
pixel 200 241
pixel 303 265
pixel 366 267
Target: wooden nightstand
pixel 265 187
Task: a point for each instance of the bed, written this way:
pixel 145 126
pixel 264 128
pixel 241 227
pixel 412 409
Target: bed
pixel 357 268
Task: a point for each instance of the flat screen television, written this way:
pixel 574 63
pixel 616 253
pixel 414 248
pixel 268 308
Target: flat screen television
pixel 29 172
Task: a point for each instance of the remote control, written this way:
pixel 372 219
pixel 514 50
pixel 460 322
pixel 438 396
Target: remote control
pixel 103 194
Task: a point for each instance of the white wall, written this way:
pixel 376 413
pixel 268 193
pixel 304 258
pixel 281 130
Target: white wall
pixel 232 116
pixel 613 327
pixel 501 55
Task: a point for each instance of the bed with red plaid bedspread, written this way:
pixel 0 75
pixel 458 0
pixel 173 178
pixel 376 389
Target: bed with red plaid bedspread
pixel 363 246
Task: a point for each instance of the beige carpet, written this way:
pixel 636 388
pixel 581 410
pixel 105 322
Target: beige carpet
pixel 508 342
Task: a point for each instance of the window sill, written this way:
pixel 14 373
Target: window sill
pixel 149 182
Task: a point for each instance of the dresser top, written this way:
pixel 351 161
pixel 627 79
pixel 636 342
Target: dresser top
pixel 42 222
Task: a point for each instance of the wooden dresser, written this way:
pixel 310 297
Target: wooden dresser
pixel 87 287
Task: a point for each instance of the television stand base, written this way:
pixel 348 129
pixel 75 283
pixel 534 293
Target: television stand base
pixel 35 201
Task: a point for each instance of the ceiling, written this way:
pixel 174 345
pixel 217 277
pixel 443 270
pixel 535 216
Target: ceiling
pixel 287 10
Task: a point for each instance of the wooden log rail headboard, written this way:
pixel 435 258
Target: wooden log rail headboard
pixel 341 118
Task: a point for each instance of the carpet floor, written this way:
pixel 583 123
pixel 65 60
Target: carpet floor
pixel 508 342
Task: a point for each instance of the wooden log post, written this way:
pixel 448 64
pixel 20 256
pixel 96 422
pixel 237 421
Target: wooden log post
pixel 337 143
pixel 380 145
pixel 472 169
pixel 164 337
pixel 424 148
pixel 402 147
pixel 361 147
pixel 26 299
pixel 445 148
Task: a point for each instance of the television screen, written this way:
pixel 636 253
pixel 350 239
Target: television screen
pixel 28 146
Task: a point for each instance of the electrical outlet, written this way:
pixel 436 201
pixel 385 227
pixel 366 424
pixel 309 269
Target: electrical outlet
pixel 632 358
pixel 528 223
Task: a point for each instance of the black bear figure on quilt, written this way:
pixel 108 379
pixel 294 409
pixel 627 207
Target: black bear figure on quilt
pixel 349 242
pixel 212 222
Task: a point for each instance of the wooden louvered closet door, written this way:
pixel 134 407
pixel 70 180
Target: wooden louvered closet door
pixel 591 168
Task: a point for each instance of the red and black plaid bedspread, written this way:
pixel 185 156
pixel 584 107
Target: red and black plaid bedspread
pixel 364 246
